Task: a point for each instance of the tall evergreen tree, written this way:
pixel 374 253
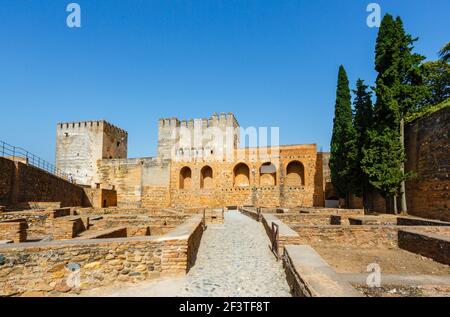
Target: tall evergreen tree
pixel 362 122
pixel 399 89
pixel 343 138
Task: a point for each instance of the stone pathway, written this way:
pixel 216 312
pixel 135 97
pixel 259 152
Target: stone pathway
pixel 234 260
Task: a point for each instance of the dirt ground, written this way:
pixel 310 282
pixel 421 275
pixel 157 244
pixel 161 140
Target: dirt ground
pixel 405 291
pixel 391 261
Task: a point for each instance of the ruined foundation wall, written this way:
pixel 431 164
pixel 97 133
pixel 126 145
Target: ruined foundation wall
pixel 41 268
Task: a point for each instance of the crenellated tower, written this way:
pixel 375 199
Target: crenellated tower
pixel 79 145
pixel 199 137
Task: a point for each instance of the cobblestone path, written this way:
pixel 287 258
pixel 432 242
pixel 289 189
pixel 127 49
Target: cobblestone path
pixel 234 260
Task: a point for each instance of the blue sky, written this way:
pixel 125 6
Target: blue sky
pixel 271 62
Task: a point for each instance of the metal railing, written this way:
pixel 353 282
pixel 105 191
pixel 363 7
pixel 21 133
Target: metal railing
pixel 276 240
pixel 19 154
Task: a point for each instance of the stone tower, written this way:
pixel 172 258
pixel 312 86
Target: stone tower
pixel 199 137
pixel 79 145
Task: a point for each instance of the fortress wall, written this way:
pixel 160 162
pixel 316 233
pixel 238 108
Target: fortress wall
pixel 138 182
pixel 24 183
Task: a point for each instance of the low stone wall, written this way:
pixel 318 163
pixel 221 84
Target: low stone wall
pixel 286 234
pixel 158 225
pixel 250 212
pixel 43 269
pixel 105 234
pixel 305 219
pixel 101 198
pixel 431 245
pixel 383 220
pixel 412 221
pixel 356 236
pixel 43 205
pixel 332 211
pixel 14 230
pixel 181 246
pixel 66 227
pixel 308 275
pixel 214 216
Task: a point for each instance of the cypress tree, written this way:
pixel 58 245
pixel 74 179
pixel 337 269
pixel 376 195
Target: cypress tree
pixel 343 139
pixel 399 90
pixel 362 122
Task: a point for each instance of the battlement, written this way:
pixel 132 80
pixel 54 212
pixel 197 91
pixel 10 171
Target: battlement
pixel 92 124
pixel 216 120
pixel 79 145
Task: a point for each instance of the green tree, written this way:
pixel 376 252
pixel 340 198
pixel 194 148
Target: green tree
pixel 343 139
pixel 437 80
pixel 445 53
pixel 363 123
pixel 399 90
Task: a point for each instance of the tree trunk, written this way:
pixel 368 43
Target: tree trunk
pixel 394 202
pixel 404 206
pixel 388 201
pixel 347 200
pixel 365 200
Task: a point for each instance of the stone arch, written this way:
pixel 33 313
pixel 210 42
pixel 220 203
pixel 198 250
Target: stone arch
pixel 206 177
pixel 241 175
pixel 185 178
pixel 268 174
pixel 295 174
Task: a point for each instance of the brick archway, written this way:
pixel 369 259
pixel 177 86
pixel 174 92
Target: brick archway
pixel 241 175
pixel 268 174
pixel 206 177
pixel 185 178
pixel 295 174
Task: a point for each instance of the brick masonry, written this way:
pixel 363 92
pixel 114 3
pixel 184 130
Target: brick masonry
pixel 427 142
pixel 431 245
pixel 42 267
pixel 14 230
pixel 21 184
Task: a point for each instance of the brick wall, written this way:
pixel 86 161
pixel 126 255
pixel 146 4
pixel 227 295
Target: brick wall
pixel 14 230
pixel 101 198
pixel 7 170
pixel 31 184
pixel 434 246
pixel 355 236
pixel 428 148
pixel 225 192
